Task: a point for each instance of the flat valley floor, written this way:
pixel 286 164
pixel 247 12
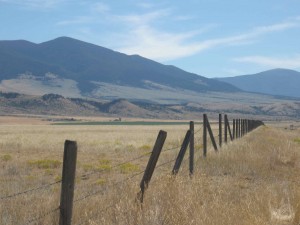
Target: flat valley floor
pixel 252 180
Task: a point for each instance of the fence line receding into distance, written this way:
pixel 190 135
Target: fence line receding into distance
pixel 240 127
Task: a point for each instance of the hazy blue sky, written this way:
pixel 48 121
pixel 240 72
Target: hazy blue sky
pixel 212 38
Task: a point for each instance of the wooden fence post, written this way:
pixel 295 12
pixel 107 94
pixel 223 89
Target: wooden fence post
pixel 162 135
pixel 220 130
pixel 204 136
pixel 228 127
pixel 181 153
pixel 236 128
pixel 233 129
pixel 212 138
pixel 68 181
pixel 225 128
pixel 240 128
pixel 192 148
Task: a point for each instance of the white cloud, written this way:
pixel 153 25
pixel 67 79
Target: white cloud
pixel 77 20
pixel 160 45
pixel 157 45
pixel 275 27
pixel 139 33
pixel 291 62
pixel 233 72
pixel 142 19
pixel 34 3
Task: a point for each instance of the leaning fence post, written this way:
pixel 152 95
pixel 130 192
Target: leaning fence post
pixel 181 153
pixel 68 181
pixel 192 148
pixel 225 128
pixel 233 129
pixel 162 135
pixel 227 125
pixel 204 135
pixel 212 138
pixel 220 130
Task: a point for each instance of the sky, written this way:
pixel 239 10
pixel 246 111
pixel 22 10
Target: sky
pixel 212 38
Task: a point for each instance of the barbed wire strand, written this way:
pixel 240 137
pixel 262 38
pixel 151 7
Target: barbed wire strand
pixel 178 146
pixel 30 190
pixel 165 163
pixel 112 205
pixel 117 165
pixel 109 186
pixel 94 193
pixel 170 149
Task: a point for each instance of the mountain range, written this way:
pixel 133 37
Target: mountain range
pixel 282 82
pixel 84 69
pixel 66 76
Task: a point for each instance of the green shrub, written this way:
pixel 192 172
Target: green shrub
pixel 6 157
pixel 100 181
pixel 104 161
pixel 104 165
pixel 45 163
pixel 129 168
pixel 87 167
pixel 145 147
pixel 297 140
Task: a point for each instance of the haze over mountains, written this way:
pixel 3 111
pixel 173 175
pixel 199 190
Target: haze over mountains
pixel 274 82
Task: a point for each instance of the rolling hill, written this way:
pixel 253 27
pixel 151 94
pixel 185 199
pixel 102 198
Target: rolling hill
pixel 281 82
pixel 57 105
pixel 75 68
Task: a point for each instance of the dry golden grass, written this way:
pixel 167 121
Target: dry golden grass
pixel 253 180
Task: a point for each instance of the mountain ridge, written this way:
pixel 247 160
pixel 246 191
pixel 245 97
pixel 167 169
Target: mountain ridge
pixel 84 63
pixel 57 105
pixel 278 82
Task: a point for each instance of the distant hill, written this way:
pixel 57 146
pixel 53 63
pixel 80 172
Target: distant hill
pixel 53 104
pixel 75 68
pixel 281 82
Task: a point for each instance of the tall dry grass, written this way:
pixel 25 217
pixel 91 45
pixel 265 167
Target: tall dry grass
pixel 253 180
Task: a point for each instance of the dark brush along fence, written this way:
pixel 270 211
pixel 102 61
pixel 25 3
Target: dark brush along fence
pixel 240 127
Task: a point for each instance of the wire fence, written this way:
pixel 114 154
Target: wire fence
pixel 29 190
pixel 166 162
pixel 101 191
pixel 117 165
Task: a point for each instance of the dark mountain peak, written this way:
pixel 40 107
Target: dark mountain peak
pixel 64 40
pixel 67 42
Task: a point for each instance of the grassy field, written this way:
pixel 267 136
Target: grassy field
pixel 254 180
